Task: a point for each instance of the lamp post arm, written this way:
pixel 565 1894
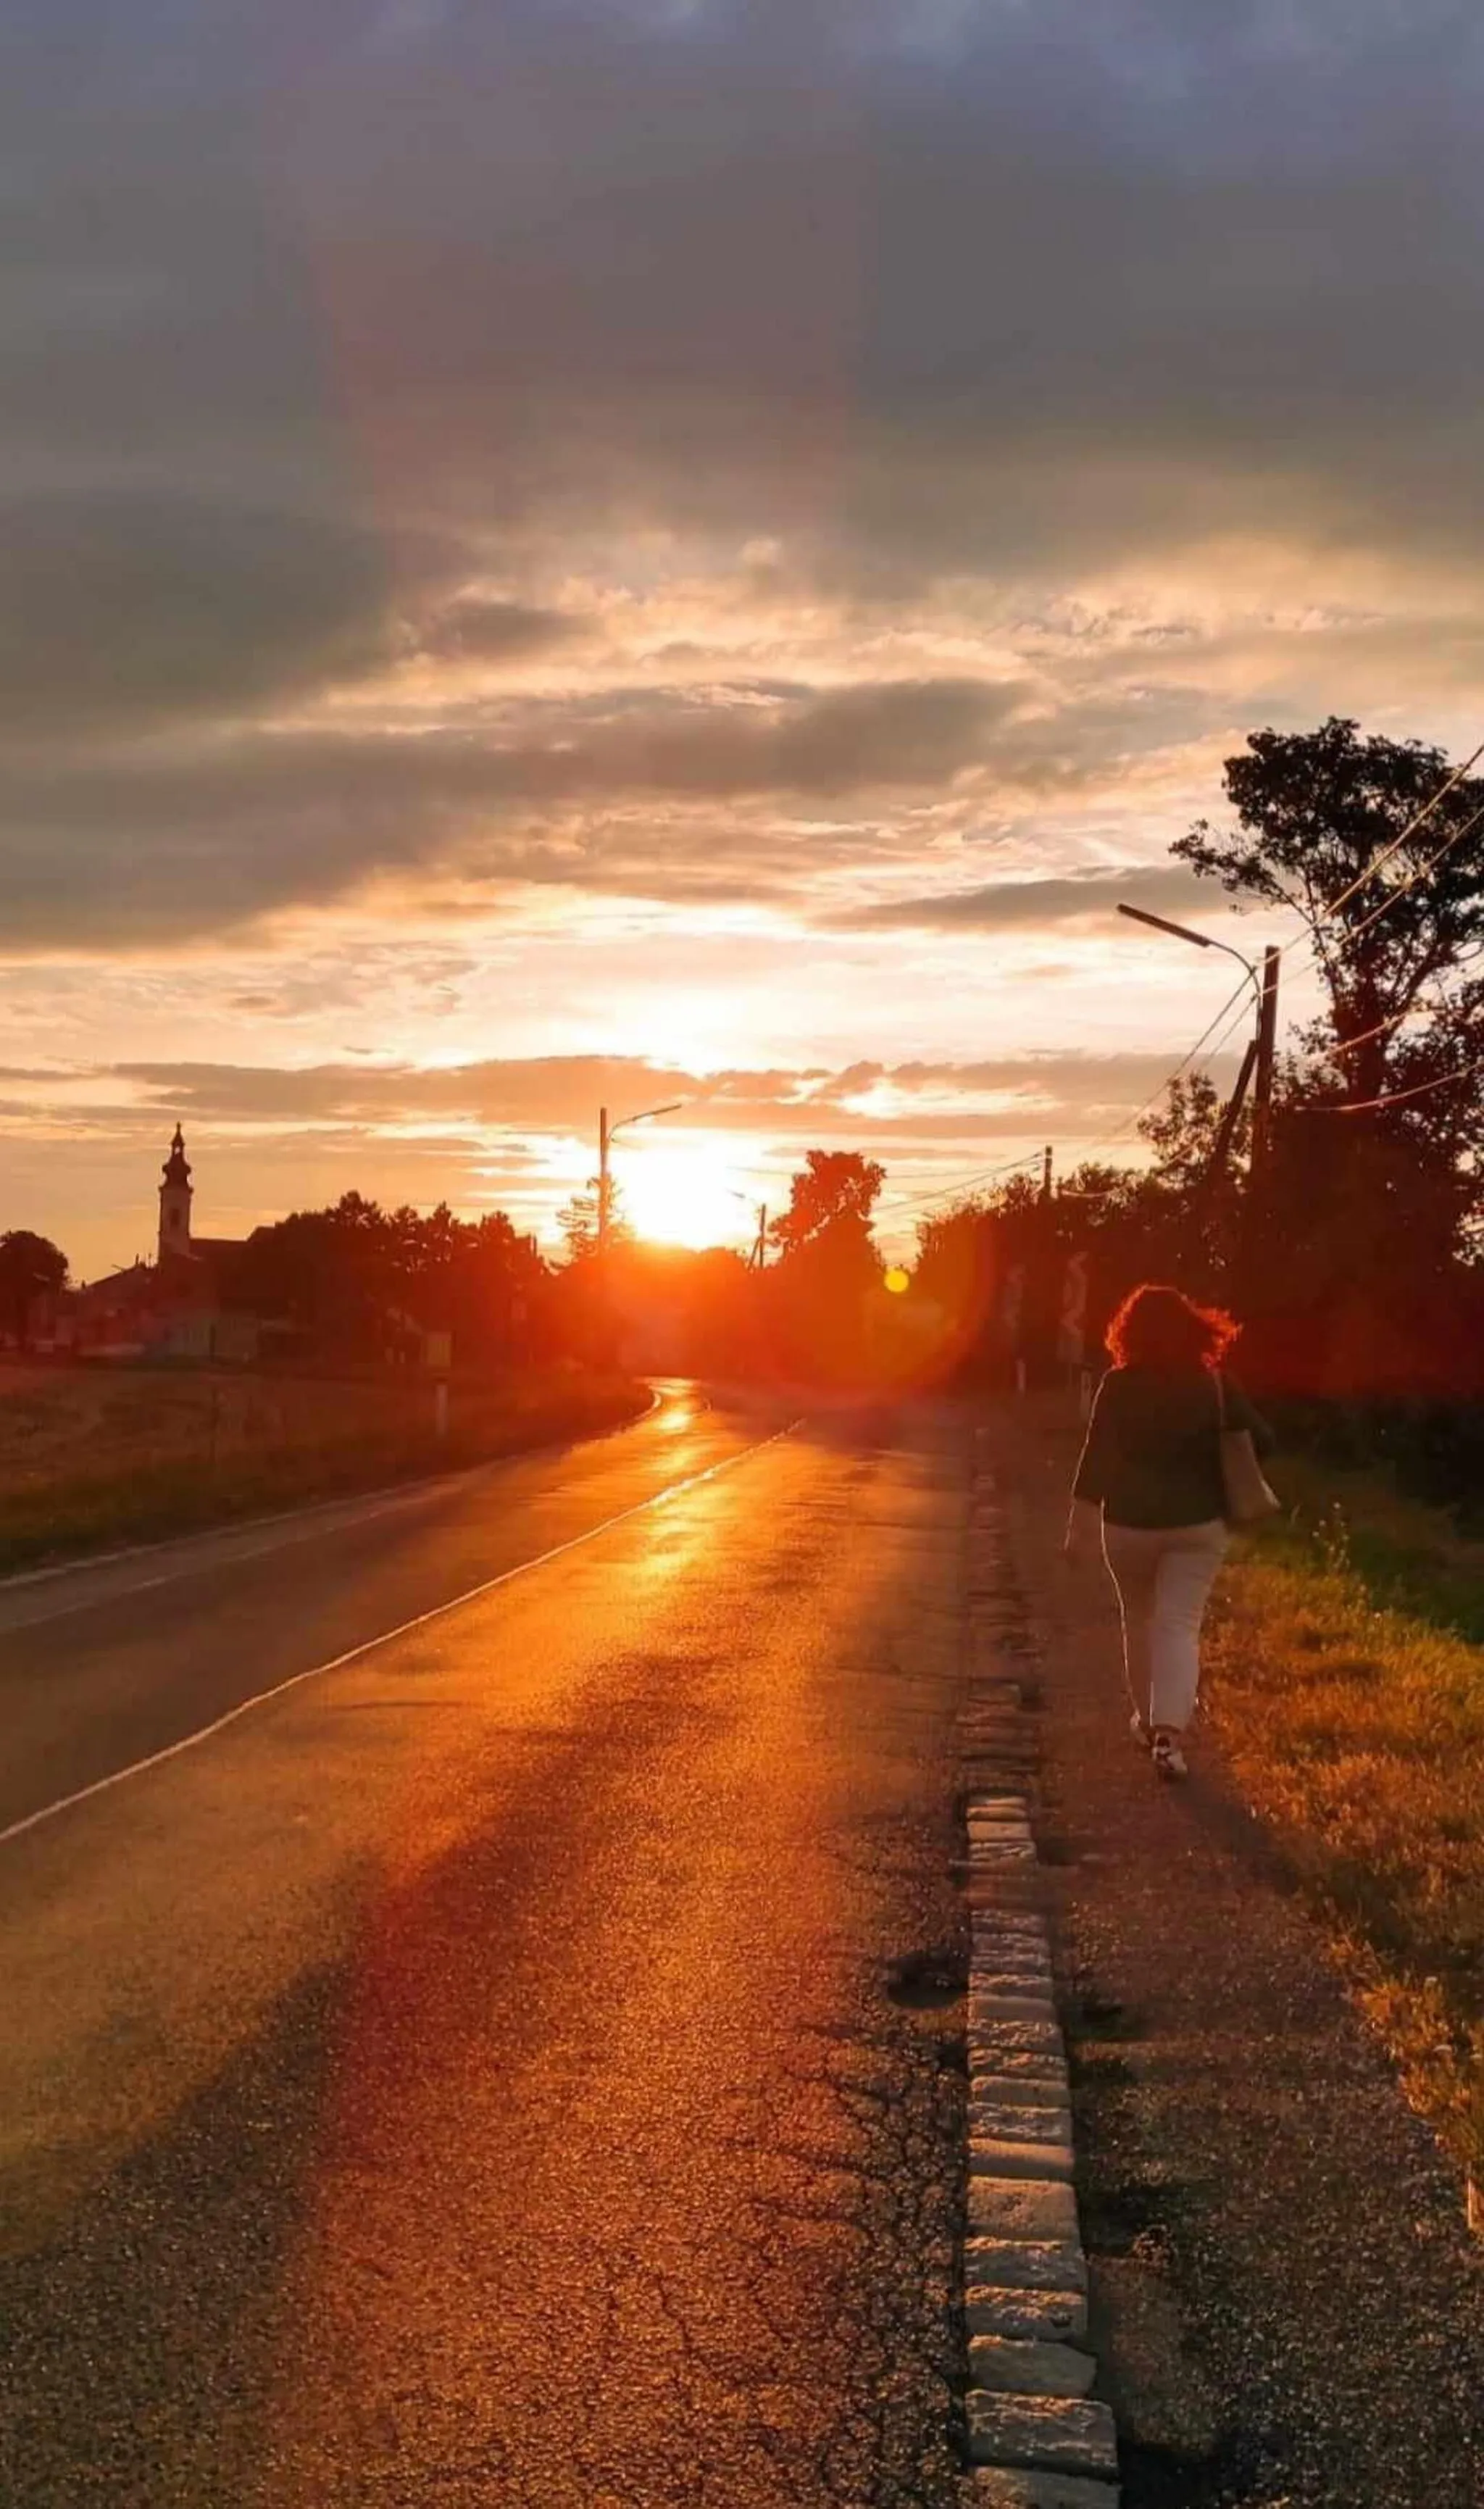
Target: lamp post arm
pixel 1197 940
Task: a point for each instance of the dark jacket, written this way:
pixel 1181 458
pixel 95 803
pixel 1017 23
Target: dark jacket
pixel 1153 1453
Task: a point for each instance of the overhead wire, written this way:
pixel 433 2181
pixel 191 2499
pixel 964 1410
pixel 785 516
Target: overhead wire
pixel 1203 1045
pixel 1388 852
pixel 1398 1097
pixel 1126 1124
pixel 1402 889
pixel 907 1203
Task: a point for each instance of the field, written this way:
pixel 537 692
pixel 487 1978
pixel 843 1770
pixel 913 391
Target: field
pixel 94 1455
pixel 1347 1687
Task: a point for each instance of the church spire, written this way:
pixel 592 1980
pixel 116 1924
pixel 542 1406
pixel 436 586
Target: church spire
pixel 178 1170
pixel 175 1201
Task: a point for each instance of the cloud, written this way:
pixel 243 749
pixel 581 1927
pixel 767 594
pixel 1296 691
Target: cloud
pixel 1080 899
pixel 121 608
pixel 174 840
pixel 976 402
pixel 959 1101
pixel 927 284
pixel 471 630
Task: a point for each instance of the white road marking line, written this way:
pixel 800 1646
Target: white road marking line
pixel 316 1519
pixel 384 1637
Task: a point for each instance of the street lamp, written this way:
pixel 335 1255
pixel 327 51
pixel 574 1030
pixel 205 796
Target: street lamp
pixel 606 1132
pixel 1202 940
pixel 1260 1053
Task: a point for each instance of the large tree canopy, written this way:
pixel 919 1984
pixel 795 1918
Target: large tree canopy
pixel 833 1187
pixel 1368 841
pixel 1379 846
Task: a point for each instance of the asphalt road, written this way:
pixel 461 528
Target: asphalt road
pixel 469 2074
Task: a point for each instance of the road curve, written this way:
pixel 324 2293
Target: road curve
pixel 469 2076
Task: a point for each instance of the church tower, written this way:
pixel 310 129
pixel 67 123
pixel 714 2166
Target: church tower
pixel 175 1201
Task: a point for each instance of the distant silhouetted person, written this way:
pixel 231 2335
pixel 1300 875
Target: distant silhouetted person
pixel 1152 1472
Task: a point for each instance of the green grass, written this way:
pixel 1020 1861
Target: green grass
pixel 1347 1686
pixel 1410 1557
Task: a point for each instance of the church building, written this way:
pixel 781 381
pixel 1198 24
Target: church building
pixel 184 1305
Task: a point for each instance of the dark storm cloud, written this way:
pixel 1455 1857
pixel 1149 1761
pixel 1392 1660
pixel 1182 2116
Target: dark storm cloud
pixel 296 297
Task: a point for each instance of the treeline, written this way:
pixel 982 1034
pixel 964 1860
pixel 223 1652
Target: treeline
pixel 357 1281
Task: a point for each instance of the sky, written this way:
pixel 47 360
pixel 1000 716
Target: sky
pixel 574 554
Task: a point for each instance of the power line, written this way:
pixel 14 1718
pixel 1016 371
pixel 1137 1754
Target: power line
pixel 1089 1149
pixel 1398 1097
pixel 909 1203
pixel 1388 851
pixel 1349 1045
pixel 1421 872
pixel 1130 1123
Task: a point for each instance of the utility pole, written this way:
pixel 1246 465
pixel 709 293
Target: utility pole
pixel 1046 1173
pixel 1264 1043
pixel 606 1132
pixel 1266 1051
pixel 759 1251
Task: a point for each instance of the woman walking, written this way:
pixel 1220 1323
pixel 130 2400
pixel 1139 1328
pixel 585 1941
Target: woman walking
pixel 1152 1469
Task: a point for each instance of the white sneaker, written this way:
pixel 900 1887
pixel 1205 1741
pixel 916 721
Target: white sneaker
pixel 1168 1758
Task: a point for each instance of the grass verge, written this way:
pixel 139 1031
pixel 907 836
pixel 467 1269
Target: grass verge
pixel 69 1515
pixel 1349 1695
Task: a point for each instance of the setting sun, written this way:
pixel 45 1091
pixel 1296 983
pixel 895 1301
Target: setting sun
pixel 685 1193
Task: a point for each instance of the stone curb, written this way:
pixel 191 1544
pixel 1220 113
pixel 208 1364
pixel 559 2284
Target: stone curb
pixel 1037 2439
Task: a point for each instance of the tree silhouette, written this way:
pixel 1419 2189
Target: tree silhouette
pixel 833 1188
pixel 578 1221
pixel 1314 812
pixel 30 1267
pixel 1374 1187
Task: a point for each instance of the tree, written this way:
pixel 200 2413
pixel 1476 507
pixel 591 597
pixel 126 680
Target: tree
pixel 360 1280
pixel 833 1188
pixel 332 1275
pixel 31 1267
pixel 1400 950
pixel 578 1221
pixel 1373 1191
pixel 820 1291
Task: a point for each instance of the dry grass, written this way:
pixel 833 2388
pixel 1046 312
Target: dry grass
pixel 1356 1722
pixel 90 1456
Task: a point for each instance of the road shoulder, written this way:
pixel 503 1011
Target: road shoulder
pixel 1285 2298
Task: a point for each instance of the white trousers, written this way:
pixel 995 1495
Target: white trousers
pixel 1163 1578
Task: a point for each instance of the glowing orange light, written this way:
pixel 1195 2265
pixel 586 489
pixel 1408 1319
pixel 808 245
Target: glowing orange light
pixel 681 1193
pixel 897 1281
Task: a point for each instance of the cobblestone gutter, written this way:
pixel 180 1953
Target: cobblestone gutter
pixel 1037 2437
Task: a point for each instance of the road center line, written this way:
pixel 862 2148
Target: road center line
pixel 384 1637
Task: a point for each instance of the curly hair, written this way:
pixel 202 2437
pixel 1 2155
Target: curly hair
pixel 1158 1326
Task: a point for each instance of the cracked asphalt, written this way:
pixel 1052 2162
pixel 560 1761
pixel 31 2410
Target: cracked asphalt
pixel 471 2077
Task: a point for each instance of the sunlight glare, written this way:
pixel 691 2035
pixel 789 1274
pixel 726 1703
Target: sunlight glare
pixel 682 1193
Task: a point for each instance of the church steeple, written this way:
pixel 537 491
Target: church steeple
pixel 175 1201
